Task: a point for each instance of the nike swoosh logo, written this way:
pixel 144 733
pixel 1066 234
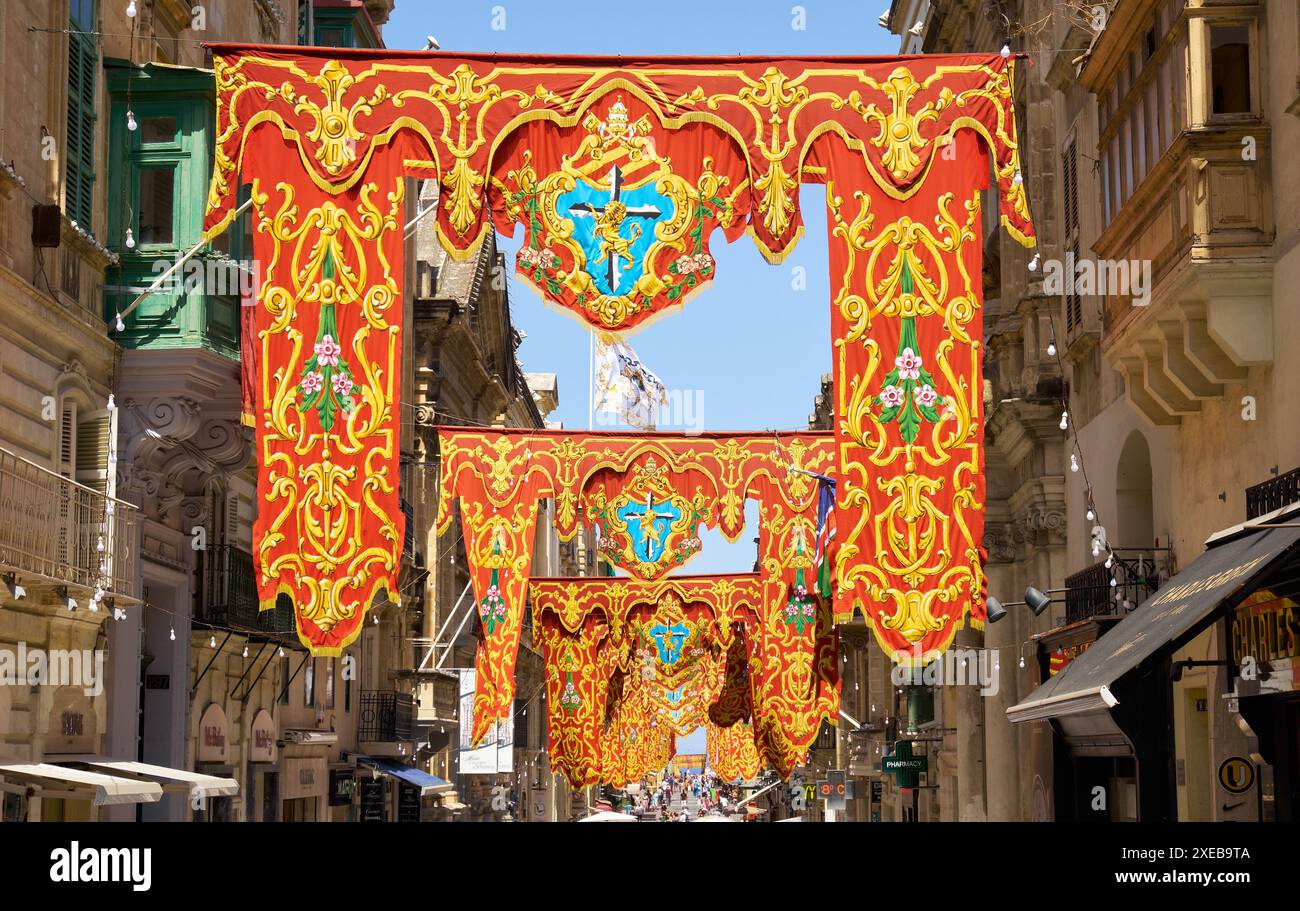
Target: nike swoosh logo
pixel 1233 806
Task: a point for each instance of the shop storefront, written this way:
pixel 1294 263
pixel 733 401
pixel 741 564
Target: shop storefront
pixel 304 794
pixel 1125 748
pixel 390 791
pixel 1264 639
pixel 262 797
pixel 213 758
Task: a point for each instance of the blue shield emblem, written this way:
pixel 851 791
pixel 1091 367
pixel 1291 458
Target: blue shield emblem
pixel 615 228
pixel 648 527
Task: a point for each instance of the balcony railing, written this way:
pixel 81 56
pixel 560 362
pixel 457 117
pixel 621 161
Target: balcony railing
pixel 386 716
pixel 65 533
pixel 1273 494
pixel 229 586
pixel 1137 574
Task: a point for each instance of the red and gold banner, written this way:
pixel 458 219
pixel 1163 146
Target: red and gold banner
pixel 732 752
pixel 647 492
pixel 619 170
pixel 669 666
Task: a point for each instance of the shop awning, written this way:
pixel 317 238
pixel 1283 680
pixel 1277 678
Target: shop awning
pixel 99 788
pixel 428 784
pixel 1080 697
pixel 172 780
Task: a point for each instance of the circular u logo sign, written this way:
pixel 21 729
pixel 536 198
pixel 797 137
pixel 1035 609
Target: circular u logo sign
pixel 1236 775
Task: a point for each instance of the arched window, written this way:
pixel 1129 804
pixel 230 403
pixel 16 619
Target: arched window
pixel 1134 511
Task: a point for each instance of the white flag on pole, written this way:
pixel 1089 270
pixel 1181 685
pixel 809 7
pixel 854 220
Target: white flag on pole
pixel 626 387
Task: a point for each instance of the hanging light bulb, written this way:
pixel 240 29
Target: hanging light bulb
pixel 1096 550
pixel 1022 662
pixel 212 643
pixel 245 655
pixel 130 240
pixel 130 120
pixel 173 634
pixel 1113 582
pixel 855 686
pixel 1065 420
pixel 1074 462
pixel 1006 51
pixel 120 326
pixel 108 507
pixel 99 545
pixel 99 593
pixel 1018 179
pixel 1051 349
pixel 112 403
pixel 281 651
pixel 1033 263
pixel 1090 514
pixel 94 606
pixel 130 12
pixel 1110 560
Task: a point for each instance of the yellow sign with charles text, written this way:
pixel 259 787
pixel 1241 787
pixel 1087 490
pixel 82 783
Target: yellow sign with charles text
pixel 1266 628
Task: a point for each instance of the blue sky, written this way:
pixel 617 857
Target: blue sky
pixel 751 347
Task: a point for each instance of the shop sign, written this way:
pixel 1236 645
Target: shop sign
pixel 408 803
pixel 342 783
pixel 71 724
pixel 303 777
pixel 1264 636
pixel 372 800
pixel 495 755
pixel 262 738
pixel 1236 775
pixel 1062 656
pixel 214 731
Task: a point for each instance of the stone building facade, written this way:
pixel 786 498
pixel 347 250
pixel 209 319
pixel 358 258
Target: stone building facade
pixel 1166 237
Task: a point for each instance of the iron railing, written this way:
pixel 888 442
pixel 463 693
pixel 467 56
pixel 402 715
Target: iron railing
pixel 1273 494
pixel 64 532
pixel 386 716
pixel 229 587
pixel 1137 574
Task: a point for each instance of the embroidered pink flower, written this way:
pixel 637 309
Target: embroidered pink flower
pixel 926 395
pixel 342 384
pixel 310 383
pixel 891 396
pixel 327 351
pixel 908 364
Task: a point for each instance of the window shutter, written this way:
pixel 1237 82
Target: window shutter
pixel 68 439
pixel 83 58
pixel 1070 207
pixel 232 520
pixel 92 453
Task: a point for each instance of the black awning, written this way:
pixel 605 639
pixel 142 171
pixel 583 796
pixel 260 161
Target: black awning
pixel 1080 696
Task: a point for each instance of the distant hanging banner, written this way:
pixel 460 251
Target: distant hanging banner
pixel 651 495
pixel 626 387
